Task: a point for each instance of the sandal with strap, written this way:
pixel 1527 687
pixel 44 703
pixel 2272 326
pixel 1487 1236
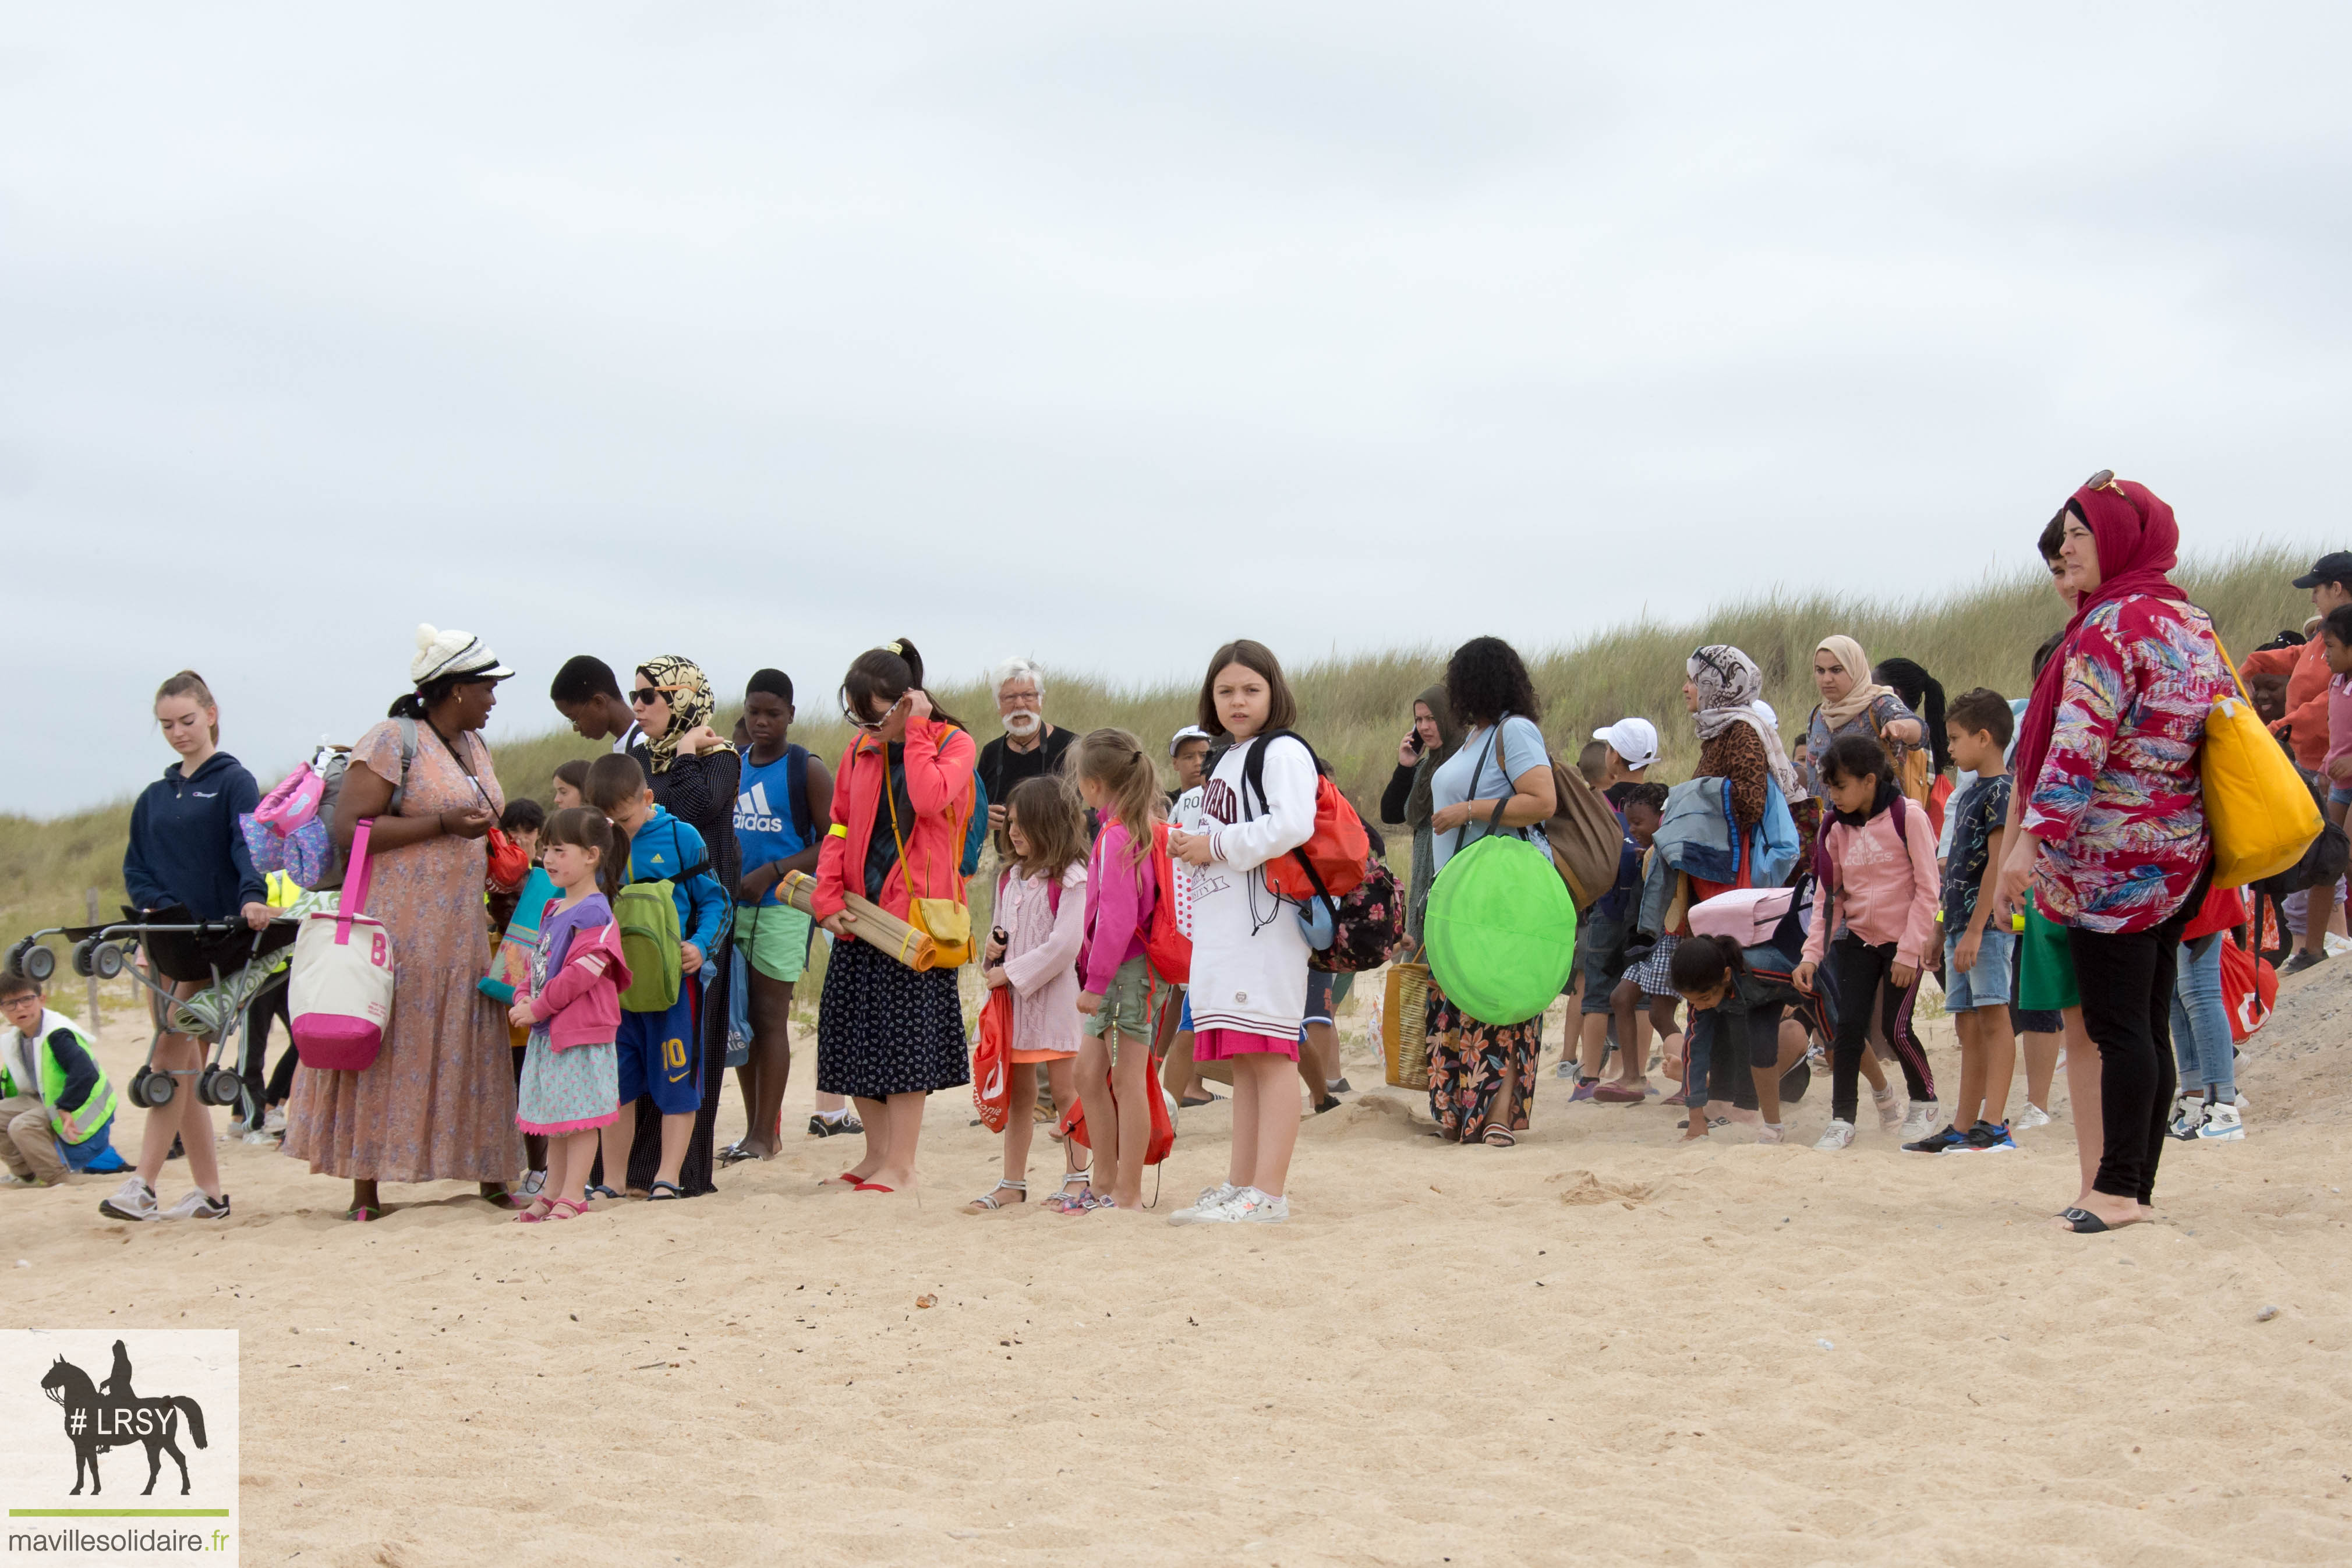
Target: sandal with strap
pixel 989 1203
pixel 537 1210
pixel 1067 1202
pixel 664 1191
pixel 601 1190
pixel 557 1208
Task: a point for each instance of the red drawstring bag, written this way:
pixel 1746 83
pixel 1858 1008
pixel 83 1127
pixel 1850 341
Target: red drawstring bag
pixel 1163 1130
pixel 2249 990
pixel 1167 949
pixel 992 1057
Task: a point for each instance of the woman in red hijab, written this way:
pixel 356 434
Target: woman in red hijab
pixel 2115 843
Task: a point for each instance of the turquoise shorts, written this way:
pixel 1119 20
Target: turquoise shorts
pixel 774 939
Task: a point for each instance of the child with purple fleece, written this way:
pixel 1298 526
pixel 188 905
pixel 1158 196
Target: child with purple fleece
pixel 1120 786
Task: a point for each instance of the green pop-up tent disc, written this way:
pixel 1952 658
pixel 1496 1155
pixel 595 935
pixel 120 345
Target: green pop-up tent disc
pixel 1501 931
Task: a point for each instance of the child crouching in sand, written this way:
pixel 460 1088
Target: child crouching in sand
pixel 1041 917
pixel 571 1001
pixel 1734 1028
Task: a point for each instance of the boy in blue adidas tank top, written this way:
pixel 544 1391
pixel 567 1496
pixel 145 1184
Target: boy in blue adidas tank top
pixel 785 796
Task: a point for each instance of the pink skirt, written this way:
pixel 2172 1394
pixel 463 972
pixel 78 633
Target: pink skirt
pixel 1225 1044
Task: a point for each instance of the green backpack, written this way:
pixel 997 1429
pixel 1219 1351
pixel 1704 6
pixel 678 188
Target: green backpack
pixel 646 912
pixel 1500 930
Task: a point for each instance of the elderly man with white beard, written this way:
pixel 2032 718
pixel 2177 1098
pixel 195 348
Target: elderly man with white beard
pixel 1029 746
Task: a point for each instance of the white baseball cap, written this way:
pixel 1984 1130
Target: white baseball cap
pixel 1634 740
pixel 1190 732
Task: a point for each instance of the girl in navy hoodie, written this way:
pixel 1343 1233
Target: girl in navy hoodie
pixel 187 862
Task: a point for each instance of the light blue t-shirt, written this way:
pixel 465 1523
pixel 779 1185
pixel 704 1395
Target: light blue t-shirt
pixel 1478 772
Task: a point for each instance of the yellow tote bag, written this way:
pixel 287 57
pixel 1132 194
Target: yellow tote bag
pixel 2260 809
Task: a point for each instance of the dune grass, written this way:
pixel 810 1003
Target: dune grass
pixel 1355 709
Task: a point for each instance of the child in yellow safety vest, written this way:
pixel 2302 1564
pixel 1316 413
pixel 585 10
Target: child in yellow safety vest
pixel 57 1109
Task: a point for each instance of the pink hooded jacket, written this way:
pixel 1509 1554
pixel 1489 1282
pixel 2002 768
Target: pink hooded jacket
pixel 582 1004
pixel 1886 884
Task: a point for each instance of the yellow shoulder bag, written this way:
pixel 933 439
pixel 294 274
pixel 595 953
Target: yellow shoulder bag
pixel 2258 806
pixel 946 921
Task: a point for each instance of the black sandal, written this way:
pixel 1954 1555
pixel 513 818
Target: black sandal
pixel 2083 1222
pixel 662 1192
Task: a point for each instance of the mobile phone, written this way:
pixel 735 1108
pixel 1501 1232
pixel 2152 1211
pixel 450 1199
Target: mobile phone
pixel 1412 738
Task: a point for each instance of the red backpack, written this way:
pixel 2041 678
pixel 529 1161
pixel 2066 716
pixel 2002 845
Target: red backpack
pixel 1168 950
pixel 1332 861
pixel 1163 1127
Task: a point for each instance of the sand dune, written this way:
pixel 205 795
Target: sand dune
pixel 1598 1346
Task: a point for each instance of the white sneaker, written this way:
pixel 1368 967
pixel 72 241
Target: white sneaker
pixel 2224 1125
pixel 1210 1197
pixel 1890 1109
pixel 2031 1116
pixel 196 1205
pixel 1248 1207
pixel 1921 1121
pixel 1837 1135
pixel 276 1120
pixel 2187 1116
pixel 134 1199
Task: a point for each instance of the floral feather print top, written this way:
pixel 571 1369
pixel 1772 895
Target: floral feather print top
pixel 2119 804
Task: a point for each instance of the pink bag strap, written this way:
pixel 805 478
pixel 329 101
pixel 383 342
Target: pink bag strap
pixel 355 881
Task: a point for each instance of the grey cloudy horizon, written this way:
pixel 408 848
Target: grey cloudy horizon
pixel 762 334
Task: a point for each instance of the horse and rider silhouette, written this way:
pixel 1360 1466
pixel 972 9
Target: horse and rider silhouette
pixel 113 1417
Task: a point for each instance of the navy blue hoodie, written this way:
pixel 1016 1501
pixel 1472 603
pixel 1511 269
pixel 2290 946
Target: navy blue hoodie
pixel 185 848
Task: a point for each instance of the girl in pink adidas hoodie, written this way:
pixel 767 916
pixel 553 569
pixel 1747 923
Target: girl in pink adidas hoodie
pixel 1878 885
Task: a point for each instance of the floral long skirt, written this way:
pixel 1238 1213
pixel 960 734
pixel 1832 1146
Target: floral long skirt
pixel 1482 1076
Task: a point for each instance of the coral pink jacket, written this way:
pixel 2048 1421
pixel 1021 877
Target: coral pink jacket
pixel 1886 884
pixel 939 767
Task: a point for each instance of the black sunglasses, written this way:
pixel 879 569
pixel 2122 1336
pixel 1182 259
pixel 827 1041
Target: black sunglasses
pixel 645 696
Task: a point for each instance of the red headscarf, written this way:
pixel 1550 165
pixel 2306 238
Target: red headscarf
pixel 2138 543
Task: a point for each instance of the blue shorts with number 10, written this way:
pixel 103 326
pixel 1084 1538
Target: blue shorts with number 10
pixel 661 1053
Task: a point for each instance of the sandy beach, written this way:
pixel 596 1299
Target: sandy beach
pixel 1597 1347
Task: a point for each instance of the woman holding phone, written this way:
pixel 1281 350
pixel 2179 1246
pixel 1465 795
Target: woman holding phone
pixel 888 1035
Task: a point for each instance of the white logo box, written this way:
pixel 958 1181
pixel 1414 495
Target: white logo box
pixel 182 1382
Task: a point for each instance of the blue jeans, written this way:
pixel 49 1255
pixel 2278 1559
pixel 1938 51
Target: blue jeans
pixel 2200 1020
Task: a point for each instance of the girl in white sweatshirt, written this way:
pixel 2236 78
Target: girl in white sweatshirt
pixel 1249 952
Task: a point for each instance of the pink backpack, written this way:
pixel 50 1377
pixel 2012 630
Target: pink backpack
pixel 294 802
pixel 339 996
pixel 1748 915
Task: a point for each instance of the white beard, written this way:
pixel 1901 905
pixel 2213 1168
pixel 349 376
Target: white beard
pixel 1023 724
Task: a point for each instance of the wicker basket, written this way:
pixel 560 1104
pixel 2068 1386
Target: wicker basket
pixel 1404 1025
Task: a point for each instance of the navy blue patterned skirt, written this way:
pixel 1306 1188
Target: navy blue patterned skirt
pixel 882 1028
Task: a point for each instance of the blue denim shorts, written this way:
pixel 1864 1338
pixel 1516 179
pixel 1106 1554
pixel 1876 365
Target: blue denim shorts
pixel 2338 796
pixel 1987 985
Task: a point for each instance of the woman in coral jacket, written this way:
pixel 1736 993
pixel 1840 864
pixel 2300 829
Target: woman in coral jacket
pixel 888 1035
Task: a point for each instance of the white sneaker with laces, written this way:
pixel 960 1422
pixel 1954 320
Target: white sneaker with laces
pixel 276 1120
pixel 196 1205
pixel 2222 1125
pixel 1210 1197
pixel 1837 1135
pixel 1890 1108
pixel 1248 1207
pixel 2188 1114
pixel 2031 1116
pixel 134 1199
pixel 1921 1121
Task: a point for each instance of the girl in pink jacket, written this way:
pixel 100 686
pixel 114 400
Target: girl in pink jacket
pixel 1877 888
pixel 571 1003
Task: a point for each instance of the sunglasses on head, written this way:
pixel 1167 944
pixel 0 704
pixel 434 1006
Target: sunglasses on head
pixel 645 696
pixel 2104 479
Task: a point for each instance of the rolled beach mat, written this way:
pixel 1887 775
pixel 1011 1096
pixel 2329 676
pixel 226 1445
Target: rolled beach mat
pixel 867 922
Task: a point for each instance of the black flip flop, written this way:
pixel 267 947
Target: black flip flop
pixel 2083 1222
pixel 662 1192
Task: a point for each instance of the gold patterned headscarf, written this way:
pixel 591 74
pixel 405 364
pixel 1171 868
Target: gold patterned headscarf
pixel 682 681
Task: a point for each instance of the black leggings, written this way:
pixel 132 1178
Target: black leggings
pixel 1861 972
pixel 253 1045
pixel 2126 978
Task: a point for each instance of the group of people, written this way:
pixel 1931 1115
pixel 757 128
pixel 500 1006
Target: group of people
pixel 2047 856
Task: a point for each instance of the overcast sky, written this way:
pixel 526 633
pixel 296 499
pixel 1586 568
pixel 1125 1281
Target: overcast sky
pixel 1103 332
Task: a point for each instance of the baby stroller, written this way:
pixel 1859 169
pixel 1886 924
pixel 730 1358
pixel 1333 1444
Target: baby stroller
pixel 228 954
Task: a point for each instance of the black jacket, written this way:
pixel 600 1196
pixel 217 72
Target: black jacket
pixel 185 848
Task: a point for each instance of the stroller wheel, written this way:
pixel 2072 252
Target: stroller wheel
pixel 219 1086
pixel 108 960
pixel 151 1089
pixel 17 956
pixel 40 964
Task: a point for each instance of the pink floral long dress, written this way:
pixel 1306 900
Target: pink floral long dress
pixel 438 1104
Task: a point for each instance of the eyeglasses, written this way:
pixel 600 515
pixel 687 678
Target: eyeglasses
pixel 645 696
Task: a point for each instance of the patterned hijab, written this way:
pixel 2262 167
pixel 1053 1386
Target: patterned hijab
pixel 680 680
pixel 1729 685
